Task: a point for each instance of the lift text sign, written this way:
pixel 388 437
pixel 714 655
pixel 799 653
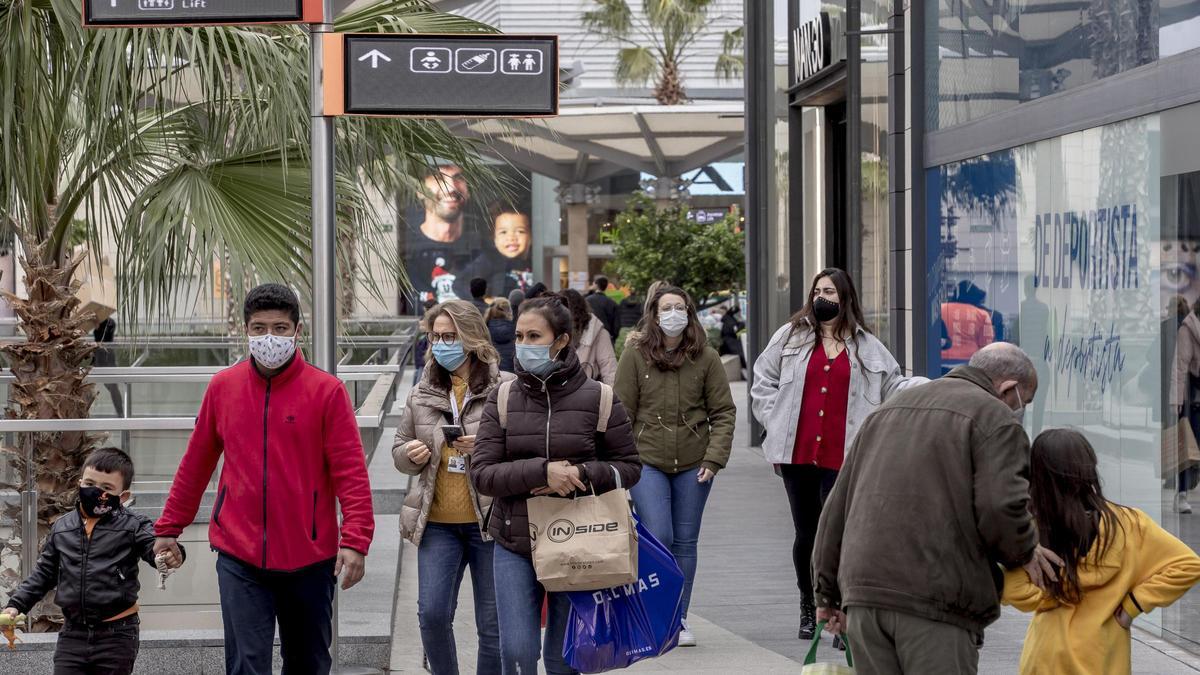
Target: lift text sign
pixel 441 75
pixel 193 12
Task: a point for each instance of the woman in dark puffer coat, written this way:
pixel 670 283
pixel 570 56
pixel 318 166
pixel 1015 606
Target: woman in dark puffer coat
pixel 550 446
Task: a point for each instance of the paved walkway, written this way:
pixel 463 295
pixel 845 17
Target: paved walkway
pixel 744 608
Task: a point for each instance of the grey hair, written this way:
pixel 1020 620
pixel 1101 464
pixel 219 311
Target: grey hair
pixel 1003 361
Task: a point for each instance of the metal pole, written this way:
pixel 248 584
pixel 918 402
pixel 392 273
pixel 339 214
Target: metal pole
pixel 29 509
pixel 324 224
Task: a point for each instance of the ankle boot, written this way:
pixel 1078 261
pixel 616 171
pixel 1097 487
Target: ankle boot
pixel 808 620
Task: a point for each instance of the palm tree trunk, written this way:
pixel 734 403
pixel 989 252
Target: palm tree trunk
pixel 669 90
pixel 50 368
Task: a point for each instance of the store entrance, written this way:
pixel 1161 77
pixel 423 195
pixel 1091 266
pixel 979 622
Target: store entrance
pixel 839 252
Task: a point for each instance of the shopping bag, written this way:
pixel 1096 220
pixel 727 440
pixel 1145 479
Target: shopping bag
pixel 616 627
pixel 1179 448
pixel 811 667
pixel 585 543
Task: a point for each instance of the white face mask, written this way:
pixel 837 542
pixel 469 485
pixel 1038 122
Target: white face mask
pixel 272 351
pixel 673 322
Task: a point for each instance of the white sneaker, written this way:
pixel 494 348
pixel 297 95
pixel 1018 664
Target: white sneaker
pixel 686 639
pixel 1181 503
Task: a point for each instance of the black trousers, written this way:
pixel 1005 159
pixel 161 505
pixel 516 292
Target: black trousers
pixel 808 486
pixel 105 649
pixel 252 600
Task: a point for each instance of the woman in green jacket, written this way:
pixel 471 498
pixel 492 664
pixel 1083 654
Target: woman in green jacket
pixel 675 389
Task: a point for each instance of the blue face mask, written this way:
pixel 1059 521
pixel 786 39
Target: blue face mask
pixel 449 356
pixel 536 359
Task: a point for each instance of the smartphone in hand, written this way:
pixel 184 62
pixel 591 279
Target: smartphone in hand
pixel 452 432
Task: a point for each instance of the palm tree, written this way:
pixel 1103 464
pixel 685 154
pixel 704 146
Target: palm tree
pixel 181 146
pixel 656 42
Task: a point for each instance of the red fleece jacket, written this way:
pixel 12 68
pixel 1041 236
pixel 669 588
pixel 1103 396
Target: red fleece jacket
pixel 291 447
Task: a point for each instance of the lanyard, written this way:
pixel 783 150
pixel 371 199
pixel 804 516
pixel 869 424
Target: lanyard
pixel 454 406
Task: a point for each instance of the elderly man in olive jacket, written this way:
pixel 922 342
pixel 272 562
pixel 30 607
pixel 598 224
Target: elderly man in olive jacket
pixel 932 501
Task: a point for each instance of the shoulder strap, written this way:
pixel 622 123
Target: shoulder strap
pixel 502 402
pixel 606 401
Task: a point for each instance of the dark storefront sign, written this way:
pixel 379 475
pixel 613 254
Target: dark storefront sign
pixel 816 45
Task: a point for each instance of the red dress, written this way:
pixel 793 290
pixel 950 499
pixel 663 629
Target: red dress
pixel 821 432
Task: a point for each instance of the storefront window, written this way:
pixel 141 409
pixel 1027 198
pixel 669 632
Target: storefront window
pixel 989 55
pixel 1083 250
pixel 874 238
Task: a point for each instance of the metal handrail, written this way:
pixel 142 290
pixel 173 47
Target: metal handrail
pixel 194 374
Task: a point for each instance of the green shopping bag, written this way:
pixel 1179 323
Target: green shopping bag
pixel 811 667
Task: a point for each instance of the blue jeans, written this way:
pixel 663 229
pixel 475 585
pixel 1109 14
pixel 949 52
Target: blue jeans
pixel 519 606
pixel 671 506
pixel 442 557
pixel 253 599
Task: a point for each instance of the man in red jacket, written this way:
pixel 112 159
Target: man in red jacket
pixel 292 454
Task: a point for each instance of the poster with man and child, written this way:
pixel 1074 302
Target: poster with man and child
pixel 456 233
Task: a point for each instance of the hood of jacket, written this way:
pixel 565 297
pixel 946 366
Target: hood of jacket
pixel 502 330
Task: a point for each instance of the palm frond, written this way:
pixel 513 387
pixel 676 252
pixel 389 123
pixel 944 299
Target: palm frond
pixel 636 65
pixel 731 63
pixel 612 18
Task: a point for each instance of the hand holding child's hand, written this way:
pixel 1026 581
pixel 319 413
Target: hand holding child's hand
pixel 168 549
pixel 10 612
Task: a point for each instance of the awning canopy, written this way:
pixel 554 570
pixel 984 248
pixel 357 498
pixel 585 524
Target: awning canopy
pixel 586 143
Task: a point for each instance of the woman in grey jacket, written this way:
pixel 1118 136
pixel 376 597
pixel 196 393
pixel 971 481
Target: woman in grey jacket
pixel 814 384
pixel 442 514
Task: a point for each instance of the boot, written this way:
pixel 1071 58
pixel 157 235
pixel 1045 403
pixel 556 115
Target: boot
pixel 808 620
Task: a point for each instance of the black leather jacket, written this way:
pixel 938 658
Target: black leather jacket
pixel 96 578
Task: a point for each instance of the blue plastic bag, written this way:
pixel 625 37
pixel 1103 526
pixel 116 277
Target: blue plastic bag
pixel 617 627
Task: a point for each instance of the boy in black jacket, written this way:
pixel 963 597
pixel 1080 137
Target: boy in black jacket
pixel 91 558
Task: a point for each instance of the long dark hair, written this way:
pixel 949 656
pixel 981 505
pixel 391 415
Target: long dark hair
pixel 850 317
pixel 651 341
pixel 581 314
pixel 1073 518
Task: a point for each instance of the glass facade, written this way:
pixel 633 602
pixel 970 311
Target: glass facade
pixel 874 237
pixel 1083 250
pixel 988 55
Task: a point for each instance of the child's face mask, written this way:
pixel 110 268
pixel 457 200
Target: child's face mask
pixel 95 502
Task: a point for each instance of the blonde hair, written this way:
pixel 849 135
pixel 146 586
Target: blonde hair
pixel 475 339
pixel 500 309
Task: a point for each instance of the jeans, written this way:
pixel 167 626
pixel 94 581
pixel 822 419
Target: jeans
pixel 519 608
pixel 442 557
pixel 107 649
pixel 251 601
pixel 808 486
pixel 671 506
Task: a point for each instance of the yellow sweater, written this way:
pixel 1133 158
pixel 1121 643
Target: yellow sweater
pixel 451 495
pixel 1145 569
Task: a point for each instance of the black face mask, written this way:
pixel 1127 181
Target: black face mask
pixel 95 502
pixel 824 310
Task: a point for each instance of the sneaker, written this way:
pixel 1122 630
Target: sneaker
pixel 686 639
pixel 1181 503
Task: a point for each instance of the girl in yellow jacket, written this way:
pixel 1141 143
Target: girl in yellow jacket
pixel 1117 564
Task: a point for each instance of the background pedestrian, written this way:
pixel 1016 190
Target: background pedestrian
pixel 590 339
pixel 503 332
pixel 820 376
pixel 675 388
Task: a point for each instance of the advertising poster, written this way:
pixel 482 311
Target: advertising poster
pixel 457 232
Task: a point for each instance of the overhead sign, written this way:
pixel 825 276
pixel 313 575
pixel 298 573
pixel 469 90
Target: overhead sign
pixel 101 13
pixel 441 75
pixel 816 45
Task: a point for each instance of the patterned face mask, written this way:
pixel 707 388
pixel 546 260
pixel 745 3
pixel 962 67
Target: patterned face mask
pixel 272 351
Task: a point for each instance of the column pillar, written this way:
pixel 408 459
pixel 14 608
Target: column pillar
pixel 577 200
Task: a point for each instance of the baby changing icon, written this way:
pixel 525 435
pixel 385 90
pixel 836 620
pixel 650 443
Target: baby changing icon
pixel 521 62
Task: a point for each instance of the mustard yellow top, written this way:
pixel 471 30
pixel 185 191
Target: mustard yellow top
pixel 451 495
pixel 1144 569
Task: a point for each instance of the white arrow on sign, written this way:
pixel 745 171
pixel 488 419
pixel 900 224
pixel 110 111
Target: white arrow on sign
pixel 375 55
